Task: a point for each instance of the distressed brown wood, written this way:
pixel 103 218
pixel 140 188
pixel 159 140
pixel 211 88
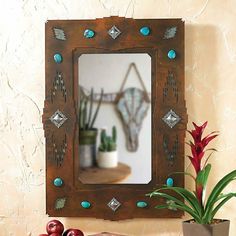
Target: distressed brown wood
pixel 167 94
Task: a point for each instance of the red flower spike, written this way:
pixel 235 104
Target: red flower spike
pixel 199 192
pixel 198 150
pixel 208 138
pixel 195 164
pixel 197 132
pixel 199 144
pixel 201 127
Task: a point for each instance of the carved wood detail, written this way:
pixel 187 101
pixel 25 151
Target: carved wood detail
pixel 171 151
pixel 171 87
pixel 59 150
pixel 58 85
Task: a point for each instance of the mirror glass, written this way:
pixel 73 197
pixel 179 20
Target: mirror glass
pixel 115 118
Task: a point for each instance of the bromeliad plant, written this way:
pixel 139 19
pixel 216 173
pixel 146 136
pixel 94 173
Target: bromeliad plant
pixel 202 211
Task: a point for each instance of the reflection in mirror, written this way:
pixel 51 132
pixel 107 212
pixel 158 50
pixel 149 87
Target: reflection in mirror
pixel 115 118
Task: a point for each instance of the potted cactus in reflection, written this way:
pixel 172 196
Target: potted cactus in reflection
pixel 87 131
pixel 107 152
pixel 201 208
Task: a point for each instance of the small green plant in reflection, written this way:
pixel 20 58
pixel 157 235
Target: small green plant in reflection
pixel 108 143
pixel 86 116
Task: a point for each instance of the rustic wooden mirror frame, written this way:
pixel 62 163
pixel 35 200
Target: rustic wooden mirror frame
pixel 66 38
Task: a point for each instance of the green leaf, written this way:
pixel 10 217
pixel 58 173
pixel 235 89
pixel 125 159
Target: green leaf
pixel 188 196
pixel 182 208
pixel 161 207
pixel 183 173
pixel 202 176
pixel 81 113
pixel 97 109
pixel 223 196
pixel 90 108
pixel 227 197
pixel 190 212
pixel 215 194
pixel 167 196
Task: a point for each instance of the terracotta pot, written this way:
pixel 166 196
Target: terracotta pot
pixel 217 229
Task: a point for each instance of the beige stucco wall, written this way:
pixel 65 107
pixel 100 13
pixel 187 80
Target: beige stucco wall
pixel 210 95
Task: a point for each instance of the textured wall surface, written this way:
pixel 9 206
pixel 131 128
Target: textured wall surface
pixel 210 95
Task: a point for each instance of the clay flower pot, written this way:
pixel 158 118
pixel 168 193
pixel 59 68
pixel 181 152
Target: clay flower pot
pixel 218 228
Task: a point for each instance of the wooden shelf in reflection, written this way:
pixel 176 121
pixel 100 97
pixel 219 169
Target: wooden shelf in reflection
pixel 98 175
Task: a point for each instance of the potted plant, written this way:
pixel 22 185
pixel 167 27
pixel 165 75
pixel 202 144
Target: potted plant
pixel 107 153
pixel 202 210
pixel 87 131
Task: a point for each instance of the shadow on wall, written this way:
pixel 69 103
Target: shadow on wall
pixel 201 64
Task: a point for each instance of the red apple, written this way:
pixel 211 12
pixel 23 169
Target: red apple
pixel 43 235
pixel 54 226
pixel 73 232
pixel 55 234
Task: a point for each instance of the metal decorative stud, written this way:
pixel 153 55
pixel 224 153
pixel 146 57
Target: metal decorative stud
pixel 141 204
pixel 85 204
pixel 58 182
pixel 171 118
pixel 114 32
pixel 59 34
pixel 60 203
pixel 170 182
pixel 145 31
pixel 58 118
pixel 88 33
pixel 171 54
pixel 58 58
pixel 170 32
pixel 114 204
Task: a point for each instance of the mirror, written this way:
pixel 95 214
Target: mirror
pixel 129 75
pixel 115 118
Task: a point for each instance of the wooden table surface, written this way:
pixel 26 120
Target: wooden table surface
pixel 98 175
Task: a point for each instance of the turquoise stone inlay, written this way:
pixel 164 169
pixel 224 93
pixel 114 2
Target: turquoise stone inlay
pixel 145 31
pixel 88 33
pixel 58 182
pixel 57 58
pixel 172 54
pixel 170 182
pixel 141 204
pixel 85 204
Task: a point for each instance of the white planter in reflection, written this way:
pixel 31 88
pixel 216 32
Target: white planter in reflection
pixel 107 159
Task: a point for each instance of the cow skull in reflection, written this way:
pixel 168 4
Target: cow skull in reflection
pixel 132 104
